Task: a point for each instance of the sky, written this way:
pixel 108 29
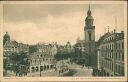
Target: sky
pixel 37 23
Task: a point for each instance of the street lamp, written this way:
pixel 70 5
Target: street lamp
pixel 40 67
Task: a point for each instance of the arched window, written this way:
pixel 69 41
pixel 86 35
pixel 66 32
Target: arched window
pixel 122 45
pixel 89 33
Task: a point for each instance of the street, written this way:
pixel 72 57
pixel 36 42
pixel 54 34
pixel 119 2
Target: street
pixel 75 71
pixel 43 74
pixel 81 71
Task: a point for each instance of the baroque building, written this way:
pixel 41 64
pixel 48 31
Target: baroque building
pixel 11 48
pixel 64 49
pixel 89 31
pixel 111 54
pixel 43 59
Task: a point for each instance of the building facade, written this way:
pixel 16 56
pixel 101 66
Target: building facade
pixel 12 49
pixel 67 48
pixel 43 59
pixel 111 54
pixel 10 46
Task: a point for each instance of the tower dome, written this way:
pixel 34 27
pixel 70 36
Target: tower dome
pixel 89 19
pixel 89 14
pixel 6 37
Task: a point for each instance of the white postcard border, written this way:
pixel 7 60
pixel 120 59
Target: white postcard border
pixel 61 78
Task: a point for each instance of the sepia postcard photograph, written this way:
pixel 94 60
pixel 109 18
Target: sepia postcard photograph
pixel 63 40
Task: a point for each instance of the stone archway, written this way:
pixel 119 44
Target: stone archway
pixel 107 74
pixel 44 67
pixel 48 67
pixel 41 68
pixel 52 66
pixel 33 69
pixel 37 69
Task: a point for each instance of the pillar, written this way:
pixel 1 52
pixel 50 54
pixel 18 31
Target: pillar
pixel 30 70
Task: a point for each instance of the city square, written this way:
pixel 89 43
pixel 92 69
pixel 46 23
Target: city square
pixel 87 57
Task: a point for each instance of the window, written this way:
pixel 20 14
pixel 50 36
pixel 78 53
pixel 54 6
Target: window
pixel 89 33
pixel 116 56
pixel 122 71
pixel 116 67
pixel 35 61
pixel 122 56
pixel 112 54
pixel 119 69
pixel 119 45
pixel 122 45
pixel 108 64
pixel 112 47
pixel 119 56
pixel 112 38
pixel 116 45
pixel 112 66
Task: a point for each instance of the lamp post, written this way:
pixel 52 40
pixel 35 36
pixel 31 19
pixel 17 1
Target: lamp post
pixel 40 67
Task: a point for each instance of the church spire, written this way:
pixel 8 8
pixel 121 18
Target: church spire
pixel 89 6
pixel 89 19
pixel 89 11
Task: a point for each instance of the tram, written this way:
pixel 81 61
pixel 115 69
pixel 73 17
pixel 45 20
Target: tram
pixel 64 71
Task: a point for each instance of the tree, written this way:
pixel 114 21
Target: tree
pixel 14 57
pixel 65 55
pixel 18 59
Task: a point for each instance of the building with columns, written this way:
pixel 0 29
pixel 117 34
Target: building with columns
pixel 43 59
pixel 10 46
pixel 9 49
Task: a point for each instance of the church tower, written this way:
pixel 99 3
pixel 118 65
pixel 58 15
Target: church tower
pixel 89 28
pixel 89 31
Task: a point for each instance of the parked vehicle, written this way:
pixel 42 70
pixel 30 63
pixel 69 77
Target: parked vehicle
pixel 64 71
